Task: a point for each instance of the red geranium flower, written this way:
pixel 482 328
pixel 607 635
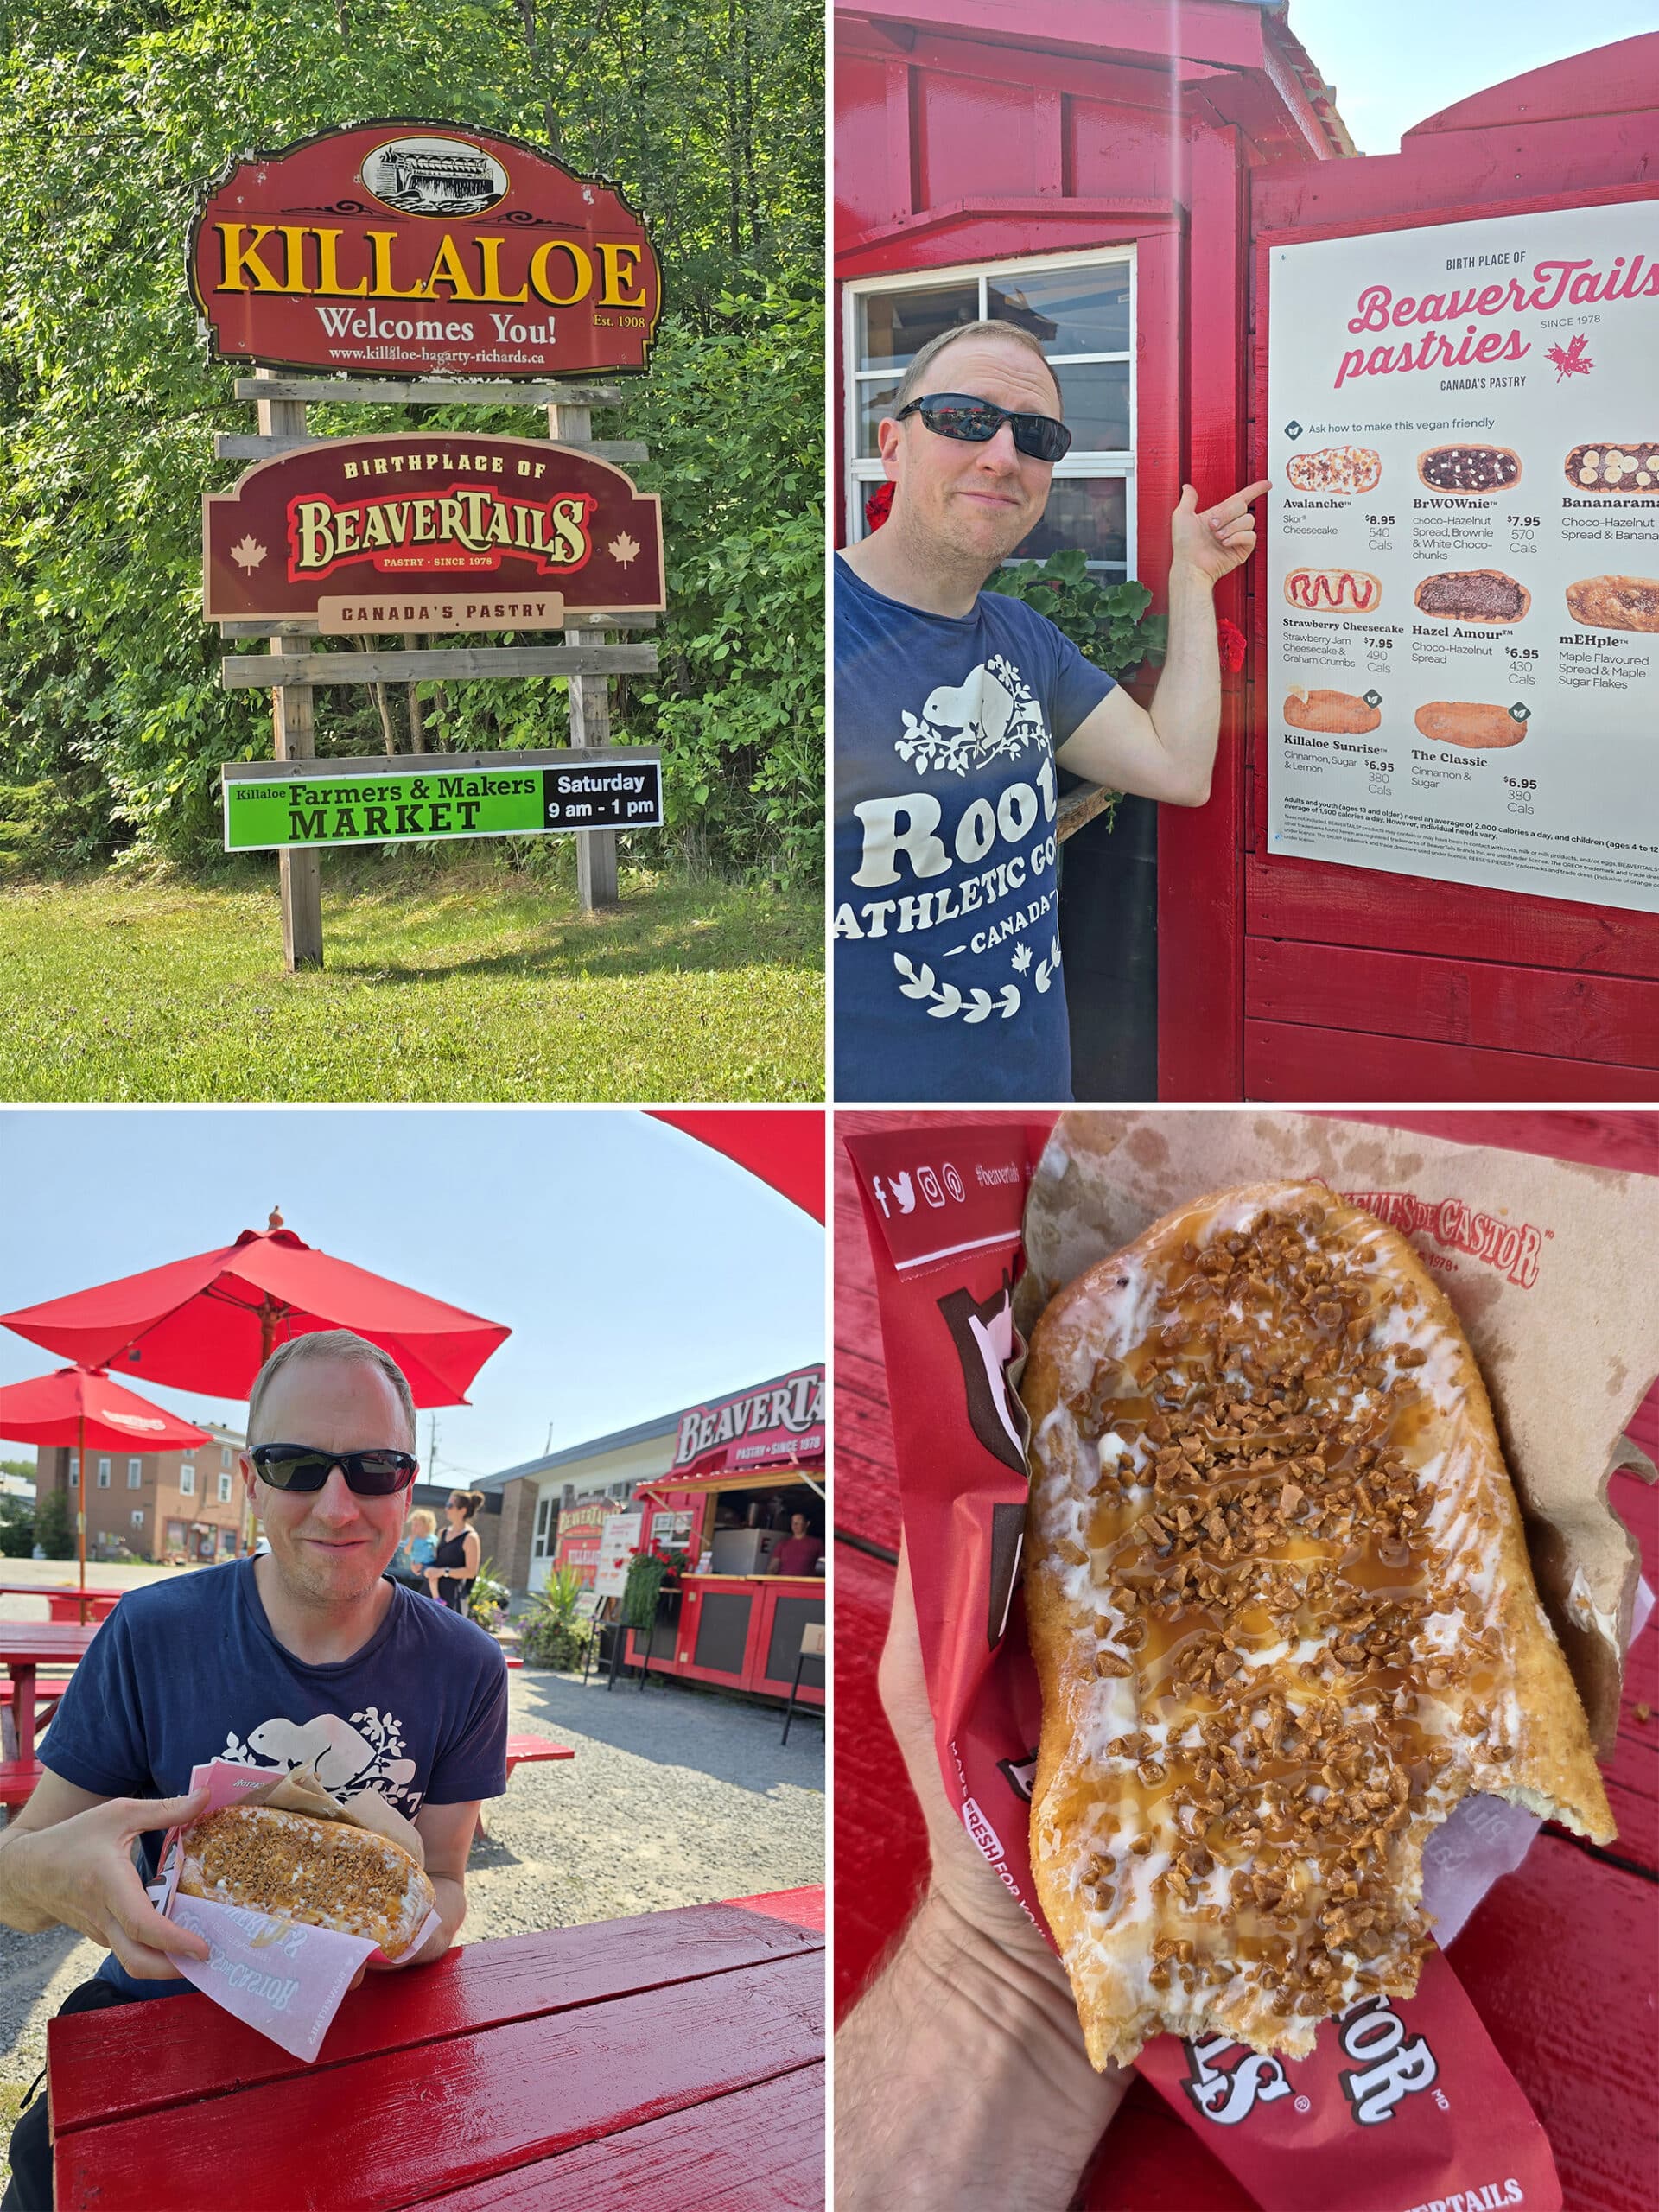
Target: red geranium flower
pixel 878 506
pixel 1233 644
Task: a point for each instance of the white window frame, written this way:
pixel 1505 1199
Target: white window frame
pixel 864 471
pixel 104 1474
pixel 547 1509
pixel 135 1474
pixel 224 1489
pixel 74 1471
pixel 137 1516
pixel 187 1477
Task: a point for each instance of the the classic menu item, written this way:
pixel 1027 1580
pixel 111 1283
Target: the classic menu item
pixel 1632 466
pixel 1280 1604
pixel 1331 710
pixel 1615 602
pixel 1329 590
pixel 1473 595
pixel 1336 468
pixel 322 1872
pixel 1467 721
pixel 1469 468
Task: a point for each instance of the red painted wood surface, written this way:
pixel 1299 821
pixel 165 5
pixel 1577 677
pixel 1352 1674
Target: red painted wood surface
pixel 800 1907
pixel 1492 994
pixel 755 2151
pixel 25 1647
pixel 1560 1958
pixel 498 2058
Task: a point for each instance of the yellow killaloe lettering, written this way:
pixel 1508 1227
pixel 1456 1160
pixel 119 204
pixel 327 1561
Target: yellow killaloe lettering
pixel 380 285
pixel 235 257
pixel 612 257
pixel 581 265
pixel 489 254
pixel 328 272
pixel 446 270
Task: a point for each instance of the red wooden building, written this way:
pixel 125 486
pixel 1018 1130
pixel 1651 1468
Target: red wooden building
pixel 1061 166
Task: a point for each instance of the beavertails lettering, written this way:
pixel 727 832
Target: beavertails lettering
pixel 463 526
pixel 1514 1248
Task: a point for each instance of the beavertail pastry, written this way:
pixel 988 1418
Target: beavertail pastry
pixel 324 1873
pixel 1281 1612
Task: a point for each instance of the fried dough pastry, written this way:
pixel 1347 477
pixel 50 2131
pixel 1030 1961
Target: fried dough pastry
pixel 1281 1608
pixel 324 1873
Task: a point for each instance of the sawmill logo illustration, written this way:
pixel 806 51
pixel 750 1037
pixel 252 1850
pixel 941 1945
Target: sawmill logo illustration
pixel 992 713
pixel 435 176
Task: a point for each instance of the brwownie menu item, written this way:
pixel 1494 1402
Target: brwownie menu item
pixel 1463 553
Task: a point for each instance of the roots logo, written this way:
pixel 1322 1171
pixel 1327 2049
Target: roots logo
pixel 1228 2094
pixel 1387 2067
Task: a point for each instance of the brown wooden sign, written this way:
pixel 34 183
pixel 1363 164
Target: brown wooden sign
pixel 404 248
pixel 431 531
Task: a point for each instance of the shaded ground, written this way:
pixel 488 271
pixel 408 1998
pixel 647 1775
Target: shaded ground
pixel 453 986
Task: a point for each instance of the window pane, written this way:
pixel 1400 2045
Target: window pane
pixel 1086 510
pixel 1096 403
pixel 875 399
pixel 1072 310
pixel 898 324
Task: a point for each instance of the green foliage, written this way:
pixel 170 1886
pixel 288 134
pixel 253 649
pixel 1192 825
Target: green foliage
pixel 550 1635
pixel 17 1528
pixel 54 1525
pixel 487 1598
pixel 1108 623
pixel 113 721
pixel 646 1574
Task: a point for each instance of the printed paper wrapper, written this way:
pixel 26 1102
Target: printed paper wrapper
pixel 280 1976
pixel 1404 2106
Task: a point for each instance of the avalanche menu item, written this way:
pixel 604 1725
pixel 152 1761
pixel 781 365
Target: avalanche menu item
pixel 317 1871
pixel 1501 545
pixel 1280 1604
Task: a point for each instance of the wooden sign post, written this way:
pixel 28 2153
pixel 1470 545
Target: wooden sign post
pixel 437 253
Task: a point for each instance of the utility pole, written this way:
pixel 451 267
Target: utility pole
pixel 432 1448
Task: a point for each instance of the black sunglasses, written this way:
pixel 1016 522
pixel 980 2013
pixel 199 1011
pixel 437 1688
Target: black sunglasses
pixel 306 1466
pixel 959 415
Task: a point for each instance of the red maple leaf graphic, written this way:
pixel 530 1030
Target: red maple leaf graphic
pixel 1571 361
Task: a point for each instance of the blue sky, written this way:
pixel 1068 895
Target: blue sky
pixel 1393 62
pixel 638 1271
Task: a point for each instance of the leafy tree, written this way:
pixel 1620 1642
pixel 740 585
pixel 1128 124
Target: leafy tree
pixel 708 115
pixel 54 1525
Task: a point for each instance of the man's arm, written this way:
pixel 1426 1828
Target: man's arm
pixel 446 1832
pixel 1167 751
pixel 961 2081
pixel 65 1861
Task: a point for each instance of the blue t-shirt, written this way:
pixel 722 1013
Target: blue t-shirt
pixel 186 1672
pixel 948 983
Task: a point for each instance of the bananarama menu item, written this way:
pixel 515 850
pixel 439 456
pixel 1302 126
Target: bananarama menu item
pixel 1463 540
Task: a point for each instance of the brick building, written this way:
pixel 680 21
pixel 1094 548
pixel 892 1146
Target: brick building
pixel 180 1505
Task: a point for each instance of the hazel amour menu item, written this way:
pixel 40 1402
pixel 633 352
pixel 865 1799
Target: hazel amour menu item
pixel 1461 536
pixel 1280 1602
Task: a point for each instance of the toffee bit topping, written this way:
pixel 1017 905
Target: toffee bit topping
pixel 1268 1587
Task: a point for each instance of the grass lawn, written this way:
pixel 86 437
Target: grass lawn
pixel 450 981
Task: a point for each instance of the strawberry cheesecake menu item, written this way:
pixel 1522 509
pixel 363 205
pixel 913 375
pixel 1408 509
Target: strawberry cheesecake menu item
pixel 1328 591
pixel 1281 1608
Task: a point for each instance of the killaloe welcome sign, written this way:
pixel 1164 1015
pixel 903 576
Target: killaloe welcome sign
pixel 405 248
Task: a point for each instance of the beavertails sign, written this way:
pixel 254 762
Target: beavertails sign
pixel 411 530
pixel 404 249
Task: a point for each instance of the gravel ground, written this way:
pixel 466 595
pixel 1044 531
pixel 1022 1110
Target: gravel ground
pixel 676 1796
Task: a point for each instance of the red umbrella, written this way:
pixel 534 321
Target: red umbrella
pixel 783 1148
pixel 77 1405
pixel 210 1324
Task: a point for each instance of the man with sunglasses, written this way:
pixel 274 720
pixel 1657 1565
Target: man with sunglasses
pixel 305 1652
pixel 953 707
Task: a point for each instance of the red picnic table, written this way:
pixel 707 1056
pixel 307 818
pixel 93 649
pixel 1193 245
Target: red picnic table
pixel 64 1598
pixel 27 1646
pixel 1558 1957
pixel 678 2056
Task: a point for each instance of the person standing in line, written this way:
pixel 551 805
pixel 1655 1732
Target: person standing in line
pixel 954 707
pixel 450 1578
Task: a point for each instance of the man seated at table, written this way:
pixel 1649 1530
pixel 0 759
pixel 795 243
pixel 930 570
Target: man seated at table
pixel 264 1660
pixel 800 1551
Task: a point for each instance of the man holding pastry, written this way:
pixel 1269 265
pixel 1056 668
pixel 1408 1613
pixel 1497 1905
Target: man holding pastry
pixel 307 1656
pixel 955 705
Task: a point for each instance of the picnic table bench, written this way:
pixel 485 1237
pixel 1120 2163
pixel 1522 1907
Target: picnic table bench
pixel 1557 1958
pixel 25 1648
pixel 674 2055
pixel 63 1599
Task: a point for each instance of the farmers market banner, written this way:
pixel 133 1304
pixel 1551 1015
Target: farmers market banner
pixel 272 803
pixel 407 248
pixel 419 531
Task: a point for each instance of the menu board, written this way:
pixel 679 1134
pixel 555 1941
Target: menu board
pixel 1463 553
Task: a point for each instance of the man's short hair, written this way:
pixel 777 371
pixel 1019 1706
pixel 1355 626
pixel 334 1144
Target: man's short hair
pixel 328 1343
pixel 912 383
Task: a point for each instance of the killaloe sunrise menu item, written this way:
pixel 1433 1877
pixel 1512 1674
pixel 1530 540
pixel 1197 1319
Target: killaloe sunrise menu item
pixel 1463 553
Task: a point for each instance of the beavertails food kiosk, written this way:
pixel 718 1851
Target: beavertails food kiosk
pixel 1422 863
pixel 743 1468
